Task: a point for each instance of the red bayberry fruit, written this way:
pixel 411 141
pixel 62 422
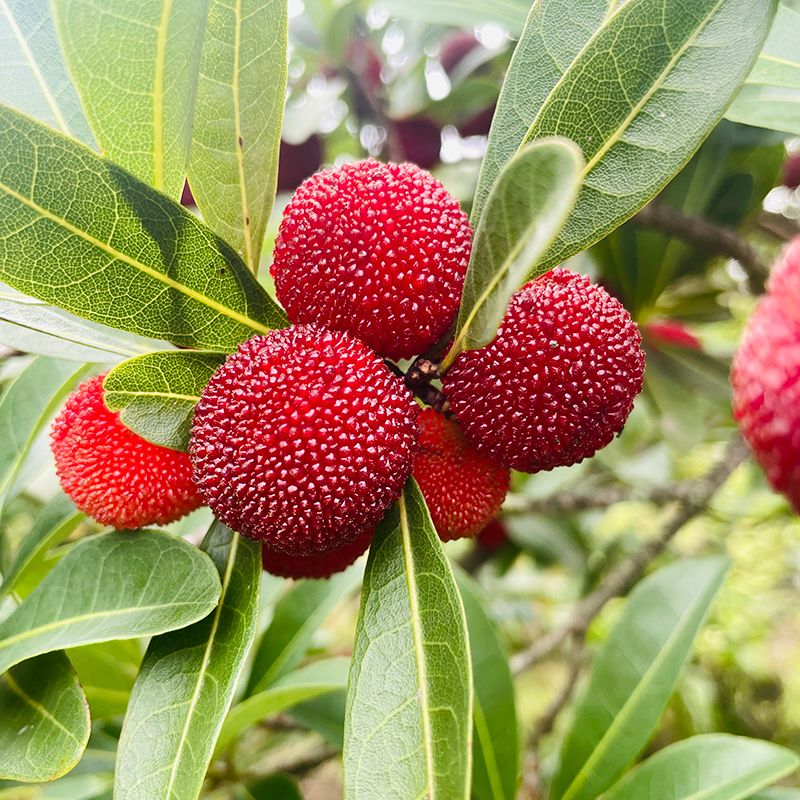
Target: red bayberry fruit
pixel 791 171
pixel 558 380
pixel 493 536
pixel 671 332
pixel 376 250
pixel 302 439
pixel 784 281
pixel 766 394
pixel 283 565
pixel 462 488
pixel 111 473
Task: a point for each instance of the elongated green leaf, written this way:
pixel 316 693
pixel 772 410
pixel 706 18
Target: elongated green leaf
pixel 26 407
pixel 107 671
pixel 716 766
pixel 321 677
pixel 297 616
pixel 555 33
pixel 767 107
pixel 37 328
pixel 136 68
pixel 55 522
pixel 323 714
pixel 237 130
pixel 777 793
pixel 527 207
pixel 495 748
pixel 186 683
pixel 778 63
pixel 81 233
pixel 33 73
pixel 114 586
pixel 156 393
pixel 409 705
pixel 44 726
pixel 635 674
pixel 274 787
pixel 460 13
pixel 669 71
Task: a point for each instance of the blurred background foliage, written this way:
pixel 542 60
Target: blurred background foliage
pixel 418 80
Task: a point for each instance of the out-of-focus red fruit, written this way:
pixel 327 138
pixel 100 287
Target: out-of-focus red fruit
pixel 791 171
pixel 556 383
pixel 766 393
pixel 377 250
pixel 276 562
pixel 493 536
pixel 478 125
pixel 302 439
pixel 111 473
pixel 462 488
pixel 671 332
pixel 784 281
pixel 420 140
pixel 455 48
pixel 298 161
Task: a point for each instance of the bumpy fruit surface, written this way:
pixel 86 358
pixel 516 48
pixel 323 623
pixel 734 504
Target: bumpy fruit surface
pixel 376 250
pixel 556 383
pixel 462 488
pixel 766 393
pixel 276 562
pixel 111 473
pixel 302 439
pixel 784 281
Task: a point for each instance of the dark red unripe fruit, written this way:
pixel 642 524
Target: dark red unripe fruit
pixel 377 250
pixel 420 140
pixel 766 394
pixel 784 281
pixel 493 536
pixel 462 488
pixel 297 161
pixel 671 332
pixel 111 473
pixel 276 562
pixel 556 383
pixel 791 171
pixel 302 439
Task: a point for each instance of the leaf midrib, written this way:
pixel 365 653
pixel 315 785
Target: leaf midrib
pixel 159 276
pixel 166 395
pixel 158 96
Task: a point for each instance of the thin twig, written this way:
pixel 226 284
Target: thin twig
pixel 701 232
pixel 627 572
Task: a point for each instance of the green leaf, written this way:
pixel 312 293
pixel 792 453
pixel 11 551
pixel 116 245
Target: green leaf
pixel 495 737
pixel 156 393
pixel 274 787
pixel 325 715
pixel 114 586
pixel 107 671
pixel 321 677
pixel 55 522
pixel 26 407
pixel 408 722
pixel 44 726
pixel 136 68
pixel 525 211
pixel 715 766
pixel 294 622
pixel 555 33
pixel 462 13
pixel 34 76
pixel 767 107
pixel 635 674
pixel 777 793
pixel 81 233
pixel 186 683
pixel 33 327
pixel 237 130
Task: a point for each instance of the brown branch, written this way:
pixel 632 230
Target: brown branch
pixel 427 393
pixel 627 572
pixel 701 232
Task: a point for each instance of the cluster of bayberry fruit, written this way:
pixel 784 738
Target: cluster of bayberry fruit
pixel 766 378
pixel 305 436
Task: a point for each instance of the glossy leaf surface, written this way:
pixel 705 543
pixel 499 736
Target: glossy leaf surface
pixel 524 212
pixel 461 13
pixel 237 130
pixel 33 73
pixel 44 726
pixel 635 674
pixel 114 586
pixel 409 704
pixel 156 393
pixel 186 683
pixel 81 233
pixel 136 67
pixel 715 766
